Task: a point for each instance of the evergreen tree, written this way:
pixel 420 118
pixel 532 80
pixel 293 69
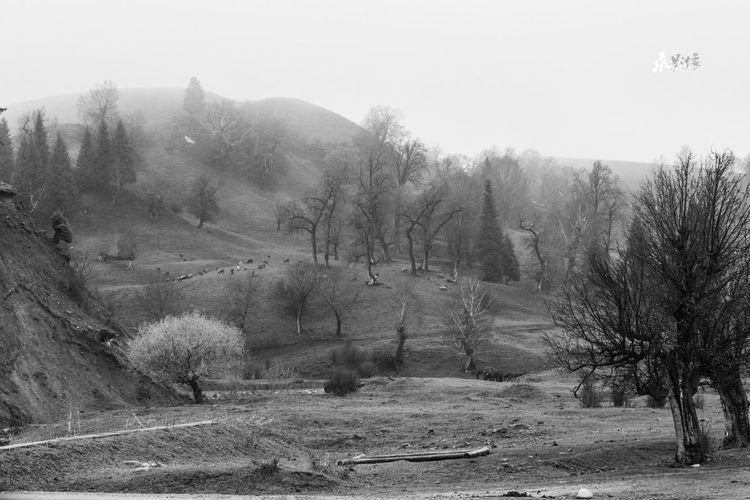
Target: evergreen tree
pixel 511 268
pixel 103 157
pixel 123 167
pixel 6 152
pixel 28 176
pixel 491 241
pixel 86 163
pixel 193 102
pixel 62 190
pixel 39 141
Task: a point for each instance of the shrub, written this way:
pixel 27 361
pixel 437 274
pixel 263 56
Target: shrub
pixel 269 468
pixel 342 382
pixel 384 361
pixel 620 392
pixel 588 393
pixel 78 277
pixel 653 402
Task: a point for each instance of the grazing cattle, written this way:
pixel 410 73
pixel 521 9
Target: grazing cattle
pixel 221 271
pixel 286 260
pixel 249 261
pixel 231 271
pixel 265 262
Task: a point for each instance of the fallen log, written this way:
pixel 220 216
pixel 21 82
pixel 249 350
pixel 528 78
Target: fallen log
pixel 431 456
pixel 104 434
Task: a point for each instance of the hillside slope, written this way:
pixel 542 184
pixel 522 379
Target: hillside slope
pixel 55 355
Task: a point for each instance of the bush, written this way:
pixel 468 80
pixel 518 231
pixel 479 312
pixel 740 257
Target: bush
pixel 653 402
pixel 589 394
pixel 342 382
pixel 620 392
pixel 269 468
pixel 78 277
pixel 384 361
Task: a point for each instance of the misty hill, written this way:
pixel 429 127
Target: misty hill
pixel 57 354
pixel 631 173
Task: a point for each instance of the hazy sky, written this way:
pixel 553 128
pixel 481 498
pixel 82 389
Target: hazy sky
pixel 568 78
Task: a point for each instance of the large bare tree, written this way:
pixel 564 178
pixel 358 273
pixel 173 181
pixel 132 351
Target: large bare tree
pixel 100 105
pixel 670 307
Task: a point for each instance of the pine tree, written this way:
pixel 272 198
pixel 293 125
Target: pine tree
pixel 123 167
pixel 28 176
pixel 511 268
pixel 104 157
pixel 62 190
pixel 193 102
pixel 86 163
pixel 39 140
pixel 6 152
pixel 490 242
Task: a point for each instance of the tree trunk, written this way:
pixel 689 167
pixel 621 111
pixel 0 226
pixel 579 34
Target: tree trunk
pixel 688 436
pixel 399 357
pixel 338 323
pixel 397 221
pixel 471 363
pixel 197 392
pixel 384 246
pixel 299 320
pixel 734 403
pixel 411 252
pixel 314 242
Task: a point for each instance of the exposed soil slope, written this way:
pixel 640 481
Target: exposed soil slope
pixel 55 355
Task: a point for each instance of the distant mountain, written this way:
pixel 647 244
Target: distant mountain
pixel 631 173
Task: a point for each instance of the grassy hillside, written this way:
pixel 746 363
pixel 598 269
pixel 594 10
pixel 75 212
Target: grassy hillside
pixel 245 229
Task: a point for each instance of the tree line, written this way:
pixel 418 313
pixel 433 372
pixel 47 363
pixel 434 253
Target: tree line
pixel 40 167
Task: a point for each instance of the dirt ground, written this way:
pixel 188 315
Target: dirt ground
pixel 543 443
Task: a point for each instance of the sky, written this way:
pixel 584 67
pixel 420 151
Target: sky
pixel 567 78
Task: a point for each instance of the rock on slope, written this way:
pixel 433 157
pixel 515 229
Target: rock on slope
pixel 55 355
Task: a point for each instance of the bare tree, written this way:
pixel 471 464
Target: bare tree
pixel 161 298
pixel 319 207
pixel 469 320
pixel 422 213
pixel 295 289
pixel 202 201
pixel 409 162
pixel 671 307
pixel 100 105
pixel 339 293
pixel 536 243
pixel 370 202
pixel 408 313
pixel 281 213
pixel 225 127
pixel 242 300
